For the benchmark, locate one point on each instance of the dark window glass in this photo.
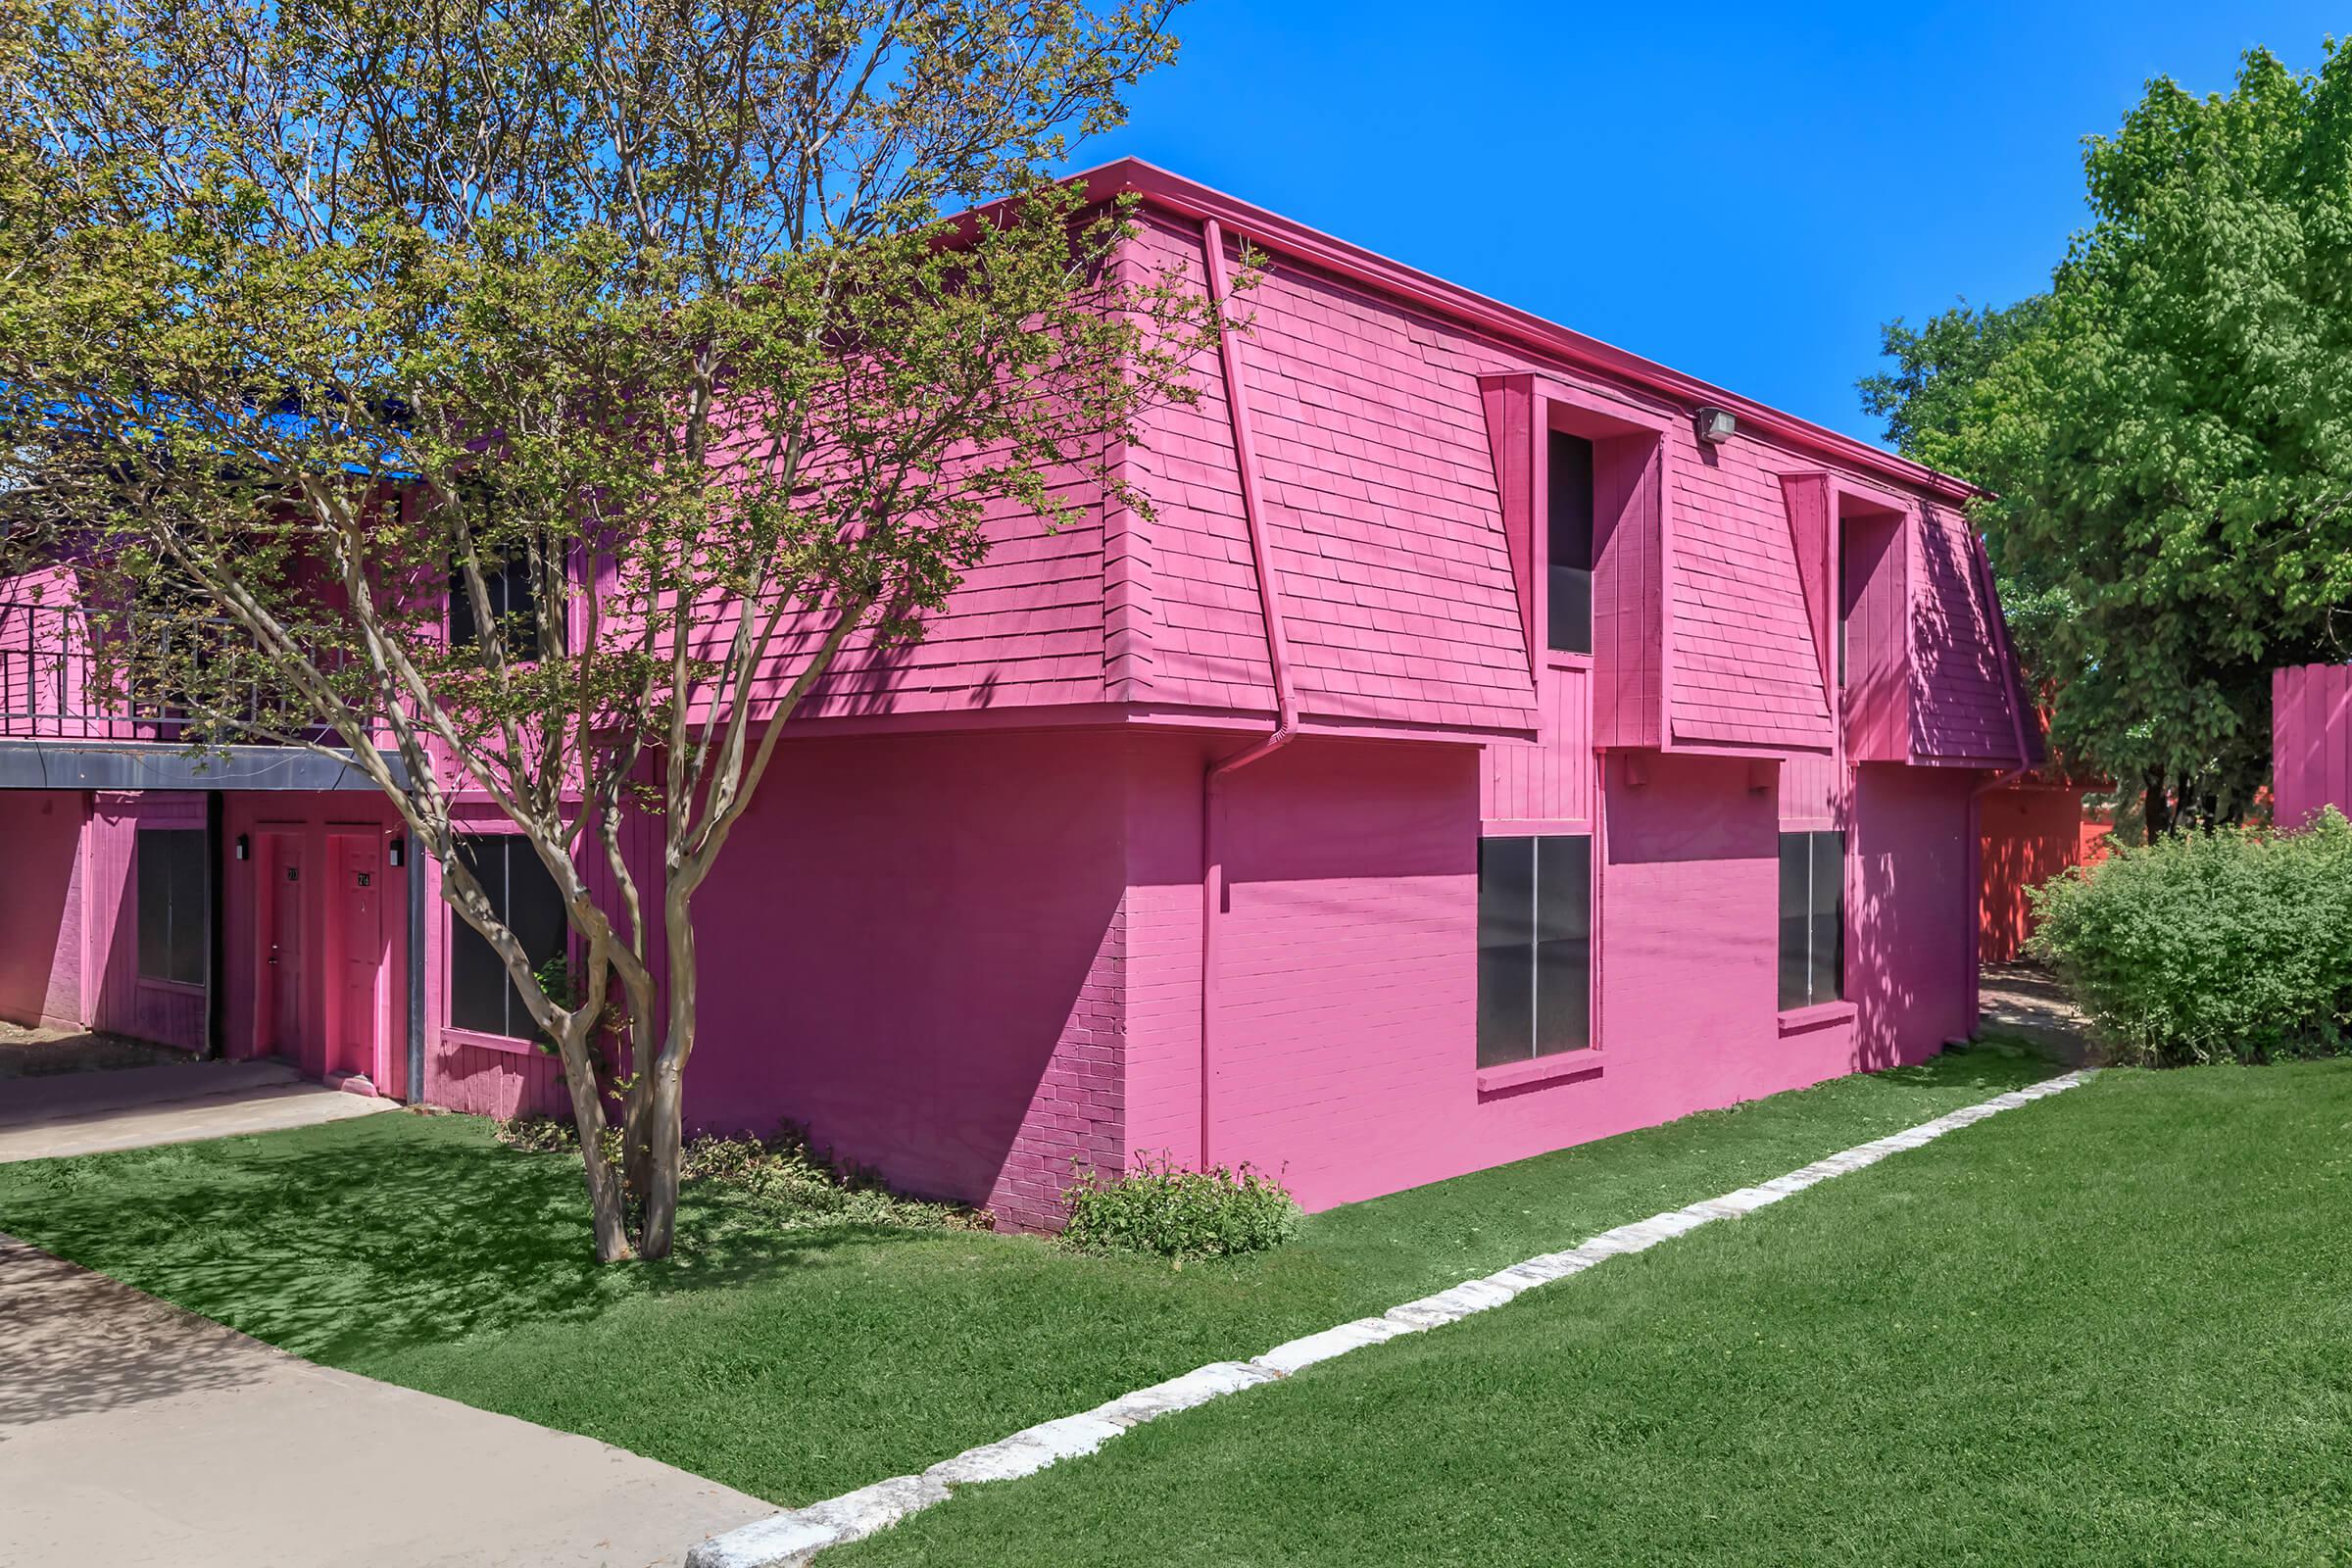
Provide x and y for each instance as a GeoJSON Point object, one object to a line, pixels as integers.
{"type": "Point", "coordinates": [1507, 986]}
{"type": "Point", "coordinates": [175, 908]}
{"type": "Point", "coordinates": [513, 594]}
{"type": "Point", "coordinates": [1828, 917]}
{"type": "Point", "coordinates": [1534, 947]}
{"type": "Point", "coordinates": [481, 996]}
{"type": "Point", "coordinates": [1563, 944]}
{"type": "Point", "coordinates": [1812, 919]}
{"type": "Point", "coordinates": [1569, 543]}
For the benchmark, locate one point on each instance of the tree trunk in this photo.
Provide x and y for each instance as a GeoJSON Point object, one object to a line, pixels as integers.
{"type": "Point", "coordinates": [606, 1203]}
{"type": "Point", "coordinates": [665, 1103]}
{"type": "Point", "coordinates": [665, 1146]}
{"type": "Point", "coordinates": [2156, 812]}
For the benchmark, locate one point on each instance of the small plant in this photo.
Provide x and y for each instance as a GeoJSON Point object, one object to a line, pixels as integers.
{"type": "Point", "coordinates": [1163, 1210]}
{"type": "Point", "coordinates": [2229, 946]}
{"type": "Point", "coordinates": [782, 1181]}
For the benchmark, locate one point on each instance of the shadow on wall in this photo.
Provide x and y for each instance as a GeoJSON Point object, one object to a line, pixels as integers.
{"type": "Point", "coordinates": [912, 946]}
{"type": "Point", "coordinates": [1911, 913]}
{"type": "Point", "coordinates": [1962, 695]}
{"type": "Point", "coordinates": [40, 842]}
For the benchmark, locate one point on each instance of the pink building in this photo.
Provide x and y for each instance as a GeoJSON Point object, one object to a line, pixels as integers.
{"type": "Point", "coordinates": [2311, 741]}
{"type": "Point", "coordinates": [1494, 741]}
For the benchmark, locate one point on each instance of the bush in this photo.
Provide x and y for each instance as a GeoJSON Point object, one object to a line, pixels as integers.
{"type": "Point", "coordinates": [784, 1181]}
{"type": "Point", "coordinates": [1163, 1209]}
{"type": "Point", "coordinates": [2234, 946]}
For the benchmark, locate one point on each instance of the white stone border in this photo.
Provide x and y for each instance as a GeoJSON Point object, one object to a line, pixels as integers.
{"type": "Point", "coordinates": [789, 1540]}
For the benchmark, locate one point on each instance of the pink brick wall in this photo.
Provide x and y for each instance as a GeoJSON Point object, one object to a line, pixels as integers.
{"type": "Point", "coordinates": [1911, 910]}
{"type": "Point", "coordinates": [2311, 741]}
{"type": "Point", "coordinates": [1345, 1045]}
{"type": "Point", "coordinates": [915, 946]}
{"type": "Point", "coordinates": [42, 980]}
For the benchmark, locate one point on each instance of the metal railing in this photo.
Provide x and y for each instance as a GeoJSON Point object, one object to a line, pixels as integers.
{"type": "Point", "coordinates": [74, 673]}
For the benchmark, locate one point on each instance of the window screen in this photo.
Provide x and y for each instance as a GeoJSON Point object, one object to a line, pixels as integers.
{"type": "Point", "coordinates": [481, 996]}
{"type": "Point", "coordinates": [174, 906]}
{"type": "Point", "coordinates": [1534, 947]}
{"type": "Point", "coordinates": [1812, 919]}
{"type": "Point", "coordinates": [1569, 543]}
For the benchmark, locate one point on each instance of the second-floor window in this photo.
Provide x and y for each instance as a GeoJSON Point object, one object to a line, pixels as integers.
{"type": "Point", "coordinates": [481, 995]}
{"type": "Point", "coordinates": [513, 600]}
{"type": "Point", "coordinates": [1534, 947]}
{"type": "Point", "coordinates": [1812, 920]}
{"type": "Point", "coordinates": [1568, 543]}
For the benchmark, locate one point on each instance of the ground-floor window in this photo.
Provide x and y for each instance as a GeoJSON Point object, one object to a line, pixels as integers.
{"type": "Point", "coordinates": [1812, 919]}
{"type": "Point", "coordinates": [481, 995]}
{"type": "Point", "coordinates": [1534, 947]}
{"type": "Point", "coordinates": [174, 906]}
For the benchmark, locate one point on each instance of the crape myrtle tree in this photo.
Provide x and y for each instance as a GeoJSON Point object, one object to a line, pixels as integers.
{"type": "Point", "coordinates": [2169, 431]}
{"type": "Point", "coordinates": [638, 334]}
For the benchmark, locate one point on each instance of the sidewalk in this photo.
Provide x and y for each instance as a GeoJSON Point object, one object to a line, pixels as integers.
{"type": "Point", "coordinates": [133, 1433]}
{"type": "Point", "coordinates": [134, 1108]}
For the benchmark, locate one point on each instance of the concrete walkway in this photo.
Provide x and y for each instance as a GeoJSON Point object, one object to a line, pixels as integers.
{"type": "Point", "coordinates": [134, 1432]}
{"type": "Point", "coordinates": [133, 1108]}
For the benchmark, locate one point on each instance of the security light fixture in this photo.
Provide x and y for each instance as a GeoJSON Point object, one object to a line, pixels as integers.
{"type": "Point", "coordinates": [397, 852]}
{"type": "Point", "coordinates": [1716, 425]}
{"type": "Point", "coordinates": [244, 848]}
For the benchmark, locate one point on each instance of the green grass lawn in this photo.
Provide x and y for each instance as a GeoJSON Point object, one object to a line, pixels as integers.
{"type": "Point", "coordinates": [798, 1366]}
{"type": "Point", "coordinates": [2110, 1327]}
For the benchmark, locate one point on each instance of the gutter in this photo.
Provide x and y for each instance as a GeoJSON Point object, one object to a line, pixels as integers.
{"type": "Point", "coordinates": [1286, 708]}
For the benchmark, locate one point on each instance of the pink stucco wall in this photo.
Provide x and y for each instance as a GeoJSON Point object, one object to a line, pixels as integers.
{"type": "Point", "coordinates": [2311, 741]}
{"type": "Point", "coordinates": [41, 952]}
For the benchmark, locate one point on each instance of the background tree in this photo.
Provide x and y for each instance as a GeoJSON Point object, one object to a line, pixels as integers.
{"type": "Point", "coordinates": [2167, 431]}
{"type": "Point", "coordinates": [636, 329]}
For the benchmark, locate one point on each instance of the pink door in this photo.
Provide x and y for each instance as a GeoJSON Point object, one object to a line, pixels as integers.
{"type": "Point", "coordinates": [282, 948]}
{"type": "Point", "coordinates": [360, 890]}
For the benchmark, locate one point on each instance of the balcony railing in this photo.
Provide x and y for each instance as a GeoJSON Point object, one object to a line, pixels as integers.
{"type": "Point", "coordinates": [72, 673]}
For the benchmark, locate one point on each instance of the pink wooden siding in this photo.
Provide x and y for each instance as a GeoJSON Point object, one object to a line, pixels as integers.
{"type": "Point", "coordinates": [129, 1002]}
{"type": "Point", "coordinates": [1554, 779]}
{"type": "Point", "coordinates": [1875, 564]}
{"type": "Point", "coordinates": [1628, 588]}
{"type": "Point", "coordinates": [1381, 500]}
{"type": "Point", "coordinates": [2311, 741]}
{"type": "Point", "coordinates": [1744, 671]}
{"type": "Point", "coordinates": [1959, 694]}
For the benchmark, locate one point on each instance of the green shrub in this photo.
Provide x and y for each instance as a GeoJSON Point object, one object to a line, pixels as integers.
{"type": "Point", "coordinates": [1163, 1209]}
{"type": "Point", "coordinates": [2234, 946]}
{"type": "Point", "coordinates": [782, 1182]}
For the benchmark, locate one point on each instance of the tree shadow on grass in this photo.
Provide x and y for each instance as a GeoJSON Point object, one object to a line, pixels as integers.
{"type": "Point", "coordinates": [373, 1235]}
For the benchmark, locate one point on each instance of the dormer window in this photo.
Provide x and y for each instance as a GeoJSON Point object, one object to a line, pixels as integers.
{"type": "Point", "coordinates": [1568, 543]}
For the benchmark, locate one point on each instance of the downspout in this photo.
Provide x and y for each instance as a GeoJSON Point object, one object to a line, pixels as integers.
{"type": "Point", "coordinates": [415, 968]}
{"type": "Point", "coordinates": [1286, 711]}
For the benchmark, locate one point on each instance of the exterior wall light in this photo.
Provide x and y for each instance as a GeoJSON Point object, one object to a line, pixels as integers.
{"type": "Point", "coordinates": [244, 848]}
{"type": "Point", "coordinates": [398, 852]}
{"type": "Point", "coordinates": [1716, 427]}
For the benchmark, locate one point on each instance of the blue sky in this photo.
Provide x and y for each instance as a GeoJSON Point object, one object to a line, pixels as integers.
{"type": "Point", "coordinates": [1741, 191]}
